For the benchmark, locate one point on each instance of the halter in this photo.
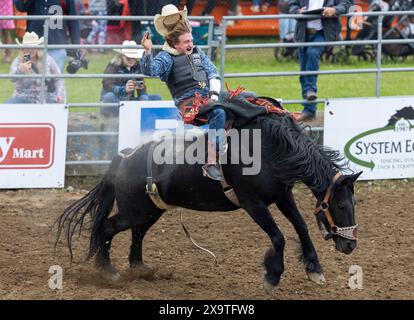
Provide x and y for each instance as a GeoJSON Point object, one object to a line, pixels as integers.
{"type": "Point", "coordinates": [344, 232]}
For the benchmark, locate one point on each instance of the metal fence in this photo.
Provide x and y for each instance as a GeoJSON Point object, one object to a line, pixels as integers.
{"type": "Point", "coordinates": [43, 75]}
{"type": "Point", "coordinates": [45, 46]}
{"type": "Point", "coordinates": [211, 45]}
{"type": "Point", "coordinates": [378, 70]}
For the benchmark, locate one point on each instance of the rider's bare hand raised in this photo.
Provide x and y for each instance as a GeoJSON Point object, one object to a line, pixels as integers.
{"type": "Point", "coordinates": [146, 42]}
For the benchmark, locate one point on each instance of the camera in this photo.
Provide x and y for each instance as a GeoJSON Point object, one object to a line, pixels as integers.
{"type": "Point", "coordinates": [139, 85]}
{"type": "Point", "coordinates": [26, 58]}
{"type": "Point", "coordinates": [78, 61]}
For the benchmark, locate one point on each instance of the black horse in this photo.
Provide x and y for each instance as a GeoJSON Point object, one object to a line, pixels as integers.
{"type": "Point", "coordinates": [288, 155]}
{"type": "Point", "coordinates": [406, 113]}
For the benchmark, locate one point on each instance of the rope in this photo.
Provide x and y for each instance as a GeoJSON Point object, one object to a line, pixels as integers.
{"type": "Point", "coordinates": [187, 233]}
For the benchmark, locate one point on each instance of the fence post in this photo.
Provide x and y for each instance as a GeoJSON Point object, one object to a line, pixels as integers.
{"type": "Point", "coordinates": [379, 58]}
{"type": "Point", "coordinates": [223, 50]}
{"type": "Point", "coordinates": [210, 36]}
{"type": "Point", "coordinates": [44, 62]}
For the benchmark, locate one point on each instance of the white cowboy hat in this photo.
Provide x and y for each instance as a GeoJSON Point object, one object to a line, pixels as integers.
{"type": "Point", "coordinates": [30, 38]}
{"type": "Point", "coordinates": [130, 52]}
{"type": "Point", "coordinates": [169, 16]}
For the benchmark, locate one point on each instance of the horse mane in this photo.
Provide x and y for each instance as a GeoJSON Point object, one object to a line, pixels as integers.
{"type": "Point", "coordinates": [295, 155]}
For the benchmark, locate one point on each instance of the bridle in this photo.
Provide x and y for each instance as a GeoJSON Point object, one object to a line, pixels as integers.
{"type": "Point", "coordinates": [344, 232]}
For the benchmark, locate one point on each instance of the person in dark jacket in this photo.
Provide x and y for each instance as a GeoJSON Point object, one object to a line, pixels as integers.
{"type": "Point", "coordinates": [56, 35]}
{"type": "Point", "coordinates": [125, 89]}
{"type": "Point", "coordinates": [328, 28]}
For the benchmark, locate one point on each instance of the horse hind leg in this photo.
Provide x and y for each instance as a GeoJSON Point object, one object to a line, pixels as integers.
{"type": "Point", "coordinates": [112, 226]}
{"type": "Point", "coordinates": [310, 258]}
{"type": "Point", "coordinates": [138, 232]}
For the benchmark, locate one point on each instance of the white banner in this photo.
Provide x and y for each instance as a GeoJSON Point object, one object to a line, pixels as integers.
{"type": "Point", "coordinates": [139, 120]}
{"type": "Point", "coordinates": [33, 145]}
{"type": "Point", "coordinates": [376, 135]}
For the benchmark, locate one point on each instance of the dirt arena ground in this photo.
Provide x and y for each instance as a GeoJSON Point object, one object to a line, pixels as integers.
{"type": "Point", "coordinates": [385, 251]}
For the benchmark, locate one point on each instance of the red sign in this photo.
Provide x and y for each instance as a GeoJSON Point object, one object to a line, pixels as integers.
{"type": "Point", "coordinates": [26, 145]}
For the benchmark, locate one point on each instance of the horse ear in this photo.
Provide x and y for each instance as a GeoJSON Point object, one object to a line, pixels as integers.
{"type": "Point", "coordinates": [351, 178]}
{"type": "Point", "coordinates": [356, 175]}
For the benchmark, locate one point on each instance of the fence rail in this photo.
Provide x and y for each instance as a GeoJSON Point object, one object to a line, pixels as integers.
{"type": "Point", "coordinates": [379, 43]}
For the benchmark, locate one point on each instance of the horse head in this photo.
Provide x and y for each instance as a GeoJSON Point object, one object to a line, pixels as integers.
{"type": "Point", "coordinates": [406, 113]}
{"type": "Point", "coordinates": [335, 213]}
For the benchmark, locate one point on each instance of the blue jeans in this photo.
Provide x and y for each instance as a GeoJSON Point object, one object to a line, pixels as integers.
{"type": "Point", "coordinates": [309, 59]}
{"type": "Point", "coordinates": [146, 96]}
{"type": "Point", "coordinates": [98, 29]}
{"type": "Point", "coordinates": [18, 100]}
{"type": "Point", "coordinates": [286, 27]}
{"type": "Point", "coordinates": [59, 55]}
{"type": "Point", "coordinates": [217, 121]}
{"type": "Point", "coordinates": [257, 2]}
{"type": "Point", "coordinates": [110, 97]}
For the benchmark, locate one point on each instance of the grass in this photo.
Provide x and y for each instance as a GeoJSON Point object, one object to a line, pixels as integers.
{"type": "Point", "coordinates": [259, 60]}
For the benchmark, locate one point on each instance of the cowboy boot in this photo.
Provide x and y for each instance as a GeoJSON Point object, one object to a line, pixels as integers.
{"type": "Point", "coordinates": [212, 168]}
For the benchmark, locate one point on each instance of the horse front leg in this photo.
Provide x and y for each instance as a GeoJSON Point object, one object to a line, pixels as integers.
{"type": "Point", "coordinates": [310, 258]}
{"type": "Point", "coordinates": [273, 259]}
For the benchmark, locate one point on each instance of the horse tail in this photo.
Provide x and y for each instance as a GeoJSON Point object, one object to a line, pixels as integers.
{"type": "Point", "coordinates": [98, 202]}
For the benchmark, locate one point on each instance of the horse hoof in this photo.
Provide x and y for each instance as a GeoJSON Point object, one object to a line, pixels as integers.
{"type": "Point", "coordinates": [142, 271]}
{"type": "Point", "coordinates": [318, 278]}
{"type": "Point", "coordinates": [112, 277]}
{"type": "Point", "coordinates": [268, 287]}
{"type": "Point", "coordinates": [110, 273]}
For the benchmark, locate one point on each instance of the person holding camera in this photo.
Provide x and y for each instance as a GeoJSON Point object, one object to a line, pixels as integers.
{"type": "Point", "coordinates": [117, 89]}
{"type": "Point", "coordinates": [57, 34]}
{"type": "Point", "coordinates": [30, 61]}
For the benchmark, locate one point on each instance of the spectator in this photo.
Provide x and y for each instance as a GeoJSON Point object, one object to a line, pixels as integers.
{"type": "Point", "coordinates": [327, 28]}
{"type": "Point", "coordinates": [114, 8]}
{"type": "Point", "coordinates": [56, 35]}
{"type": "Point", "coordinates": [98, 8]}
{"type": "Point", "coordinates": [118, 30]}
{"type": "Point", "coordinates": [6, 9]}
{"type": "Point", "coordinates": [20, 25]}
{"type": "Point", "coordinates": [117, 89]}
{"type": "Point", "coordinates": [85, 26]}
{"type": "Point", "coordinates": [256, 6]}
{"type": "Point", "coordinates": [190, 6]}
{"type": "Point", "coordinates": [408, 30]}
{"type": "Point", "coordinates": [286, 26]}
{"type": "Point", "coordinates": [209, 7]}
{"type": "Point", "coordinates": [28, 90]}
{"type": "Point", "coordinates": [234, 10]}
{"type": "Point", "coordinates": [137, 8]}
